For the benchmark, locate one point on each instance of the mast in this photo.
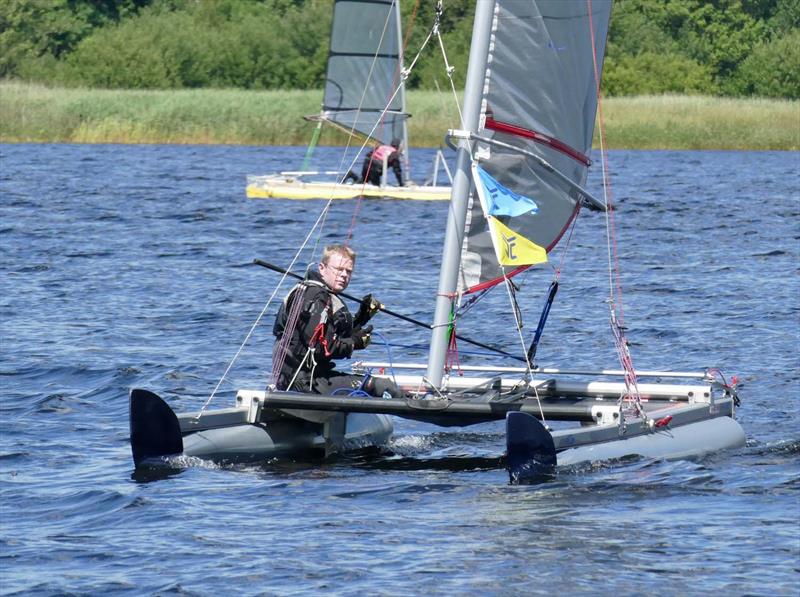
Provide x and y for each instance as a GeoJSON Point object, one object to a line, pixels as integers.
{"type": "Point", "coordinates": [462, 181]}
{"type": "Point", "coordinates": [402, 91]}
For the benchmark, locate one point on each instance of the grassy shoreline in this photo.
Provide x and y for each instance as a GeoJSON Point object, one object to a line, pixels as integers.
{"type": "Point", "coordinates": [39, 114]}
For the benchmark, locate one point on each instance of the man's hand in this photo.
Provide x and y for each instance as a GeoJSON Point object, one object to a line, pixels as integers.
{"type": "Point", "coordinates": [366, 310]}
{"type": "Point", "coordinates": [362, 337]}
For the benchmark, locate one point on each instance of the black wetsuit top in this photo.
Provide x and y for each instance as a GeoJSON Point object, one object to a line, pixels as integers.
{"type": "Point", "coordinates": [336, 343]}
{"type": "Point", "coordinates": [372, 174]}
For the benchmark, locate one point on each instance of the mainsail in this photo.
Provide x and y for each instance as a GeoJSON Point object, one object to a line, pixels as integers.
{"type": "Point", "coordinates": [538, 104]}
{"type": "Point", "coordinates": [364, 63]}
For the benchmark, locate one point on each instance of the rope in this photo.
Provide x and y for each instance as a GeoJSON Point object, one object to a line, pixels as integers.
{"type": "Point", "coordinates": [266, 307]}
{"type": "Point", "coordinates": [388, 353]}
{"type": "Point", "coordinates": [452, 344]}
{"type": "Point", "coordinates": [309, 355]}
{"type": "Point", "coordinates": [531, 354]}
{"type": "Point", "coordinates": [311, 146]}
{"type": "Point", "coordinates": [404, 76]}
{"type": "Point", "coordinates": [448, 69]}
{"type": "Point", "coordinates": [615, 281]}
{"type": "Point", "coordinates": [288, 332]}
{"type": "Point", "coordinates": [472, 301]}
{"type": "Point", "coordinates": [537, 336]}
{"type": "Point", "coordinates": [518, 320]}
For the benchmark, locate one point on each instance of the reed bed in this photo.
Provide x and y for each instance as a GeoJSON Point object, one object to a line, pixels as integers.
{"type": "Point", "coordinates": [36, 113]}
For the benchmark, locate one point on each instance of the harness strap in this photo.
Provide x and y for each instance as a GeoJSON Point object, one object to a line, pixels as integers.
{"type": "Point", "coordinates": [319, 336]}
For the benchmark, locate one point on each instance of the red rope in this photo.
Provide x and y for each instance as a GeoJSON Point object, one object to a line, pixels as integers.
{"type": "Point", "coordinates": [617, 315]}
{"type": "Point", "coordinates": [569, 241]}
{"type": "Point", "coordinates": [452, 353]}
{"type": "Point", "coordinates": [319, 336]}
{"type": "Point", "coordinates": [606, 171]}
{"type": "Point", "coordinates": [357, 207]}
{"type": "Point", "coordinates": [409, 28]}
{"type": "Point", "coordinates": [288, 332]}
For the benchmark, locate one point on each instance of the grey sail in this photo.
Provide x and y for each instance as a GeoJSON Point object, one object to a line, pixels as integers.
{"type": "Point", "coordinates": [540, 97]}
{"type": "Point", "coordinates": [364, 63]}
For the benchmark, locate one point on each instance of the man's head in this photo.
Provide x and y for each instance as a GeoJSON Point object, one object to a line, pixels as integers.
{"type": "Point", "coordinates": [396, 143]}
{"type": "Point", "coordinates": [336, 266]}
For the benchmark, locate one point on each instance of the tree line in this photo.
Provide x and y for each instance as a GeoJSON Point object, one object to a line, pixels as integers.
{"type": "Point", "coordinates": [711, 47]}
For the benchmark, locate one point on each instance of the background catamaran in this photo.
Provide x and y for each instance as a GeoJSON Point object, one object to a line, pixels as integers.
{"type": "Point", "coordinates": [364, 72]}
{"type": "Point", "coordinates": [518, 188]}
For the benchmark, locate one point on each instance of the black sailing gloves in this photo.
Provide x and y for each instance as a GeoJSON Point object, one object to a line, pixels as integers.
{"type": "Point", "coordinates": [366, 310]}
{"type": "Point", "coordinates": [362, 337]}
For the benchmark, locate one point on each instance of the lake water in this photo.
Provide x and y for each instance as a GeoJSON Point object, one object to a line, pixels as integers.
{"type": "Point", "coordinates": [130, 266]}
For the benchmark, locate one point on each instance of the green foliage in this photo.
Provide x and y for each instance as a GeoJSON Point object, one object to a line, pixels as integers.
{"type": "Point", "coordinates": [702, 42]}
{"type": "Point", "coordinates": [772, 70]}
{"type": "Point", "coordinates": [173, 45]}
{"type": "Point", "coordinates": [721, 35]}
{"type": "Point", "coordinates": [33, 29]}
{"type": "Point", "coordinates": [786, 16]}
{"type": "Point", "coordinates": [725, 47]}
{"type": "Point", "coordinates": [650, 73]}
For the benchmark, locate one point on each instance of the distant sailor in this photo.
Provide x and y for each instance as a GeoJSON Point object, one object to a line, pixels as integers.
{"type": "Point", "coordinates": [372, 170]}
{"type": "Point", "coordinates": [314, 327]}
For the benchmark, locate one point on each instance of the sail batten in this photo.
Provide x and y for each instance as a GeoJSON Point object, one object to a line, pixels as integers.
{"type": "Point", "coordinates": [538, 110]}
{"type": "Point", "coordinates": [505, 127]}
{"type": "Point", "coordinates": [370, 55]}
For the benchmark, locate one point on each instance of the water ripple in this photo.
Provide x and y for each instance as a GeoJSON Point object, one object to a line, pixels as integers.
{"type": "Point", "coordinates": [107, 287]}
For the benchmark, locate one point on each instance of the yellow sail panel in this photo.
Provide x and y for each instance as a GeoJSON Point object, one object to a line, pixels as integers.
{"type": "Point", "coordinates": [512, 248]}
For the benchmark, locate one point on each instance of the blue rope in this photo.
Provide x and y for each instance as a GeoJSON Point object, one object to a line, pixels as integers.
{"type": "Point", "coordinates": [354, 392]}
{"type": "Point", "coordinates": [551, 295]}
{"type": "Point", "coordinates": [388, 353]}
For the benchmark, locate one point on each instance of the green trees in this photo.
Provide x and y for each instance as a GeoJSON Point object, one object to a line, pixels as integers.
{"type": "Point", "coordinates": [727, 47]}
{"type": "Point", "coordinates": [172, 44]}
{"type": "Point", "coordinates": [723, 47]}
{"type": "Point", "coordinates": [771, 70]}
{"type": "Point", "coordinates": [48, 30]}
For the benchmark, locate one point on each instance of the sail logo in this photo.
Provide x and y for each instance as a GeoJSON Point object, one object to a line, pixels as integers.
{"type": "Point", "coordinates": [503, 201]}
{"type": "Point", "coordinates": [509, 243]}
{"type": "Point", "coordinates": [511, 247]}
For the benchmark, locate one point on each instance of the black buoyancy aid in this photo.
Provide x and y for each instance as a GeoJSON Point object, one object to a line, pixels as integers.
{"type": "Point", "coordinates": [320, 306]}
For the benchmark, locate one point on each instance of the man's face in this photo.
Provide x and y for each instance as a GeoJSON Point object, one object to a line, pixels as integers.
{"type": "Point", "coordinates": [336, 273]}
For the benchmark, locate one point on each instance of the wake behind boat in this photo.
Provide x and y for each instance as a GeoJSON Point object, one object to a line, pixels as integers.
{"type": "Point", "coordinates": [519, 187]}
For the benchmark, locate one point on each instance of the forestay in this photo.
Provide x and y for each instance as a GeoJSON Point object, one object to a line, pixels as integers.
{"type": "Point", "coordinates": [540, 98]}
{"type": "Point", "coordinates": [364, 63]}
